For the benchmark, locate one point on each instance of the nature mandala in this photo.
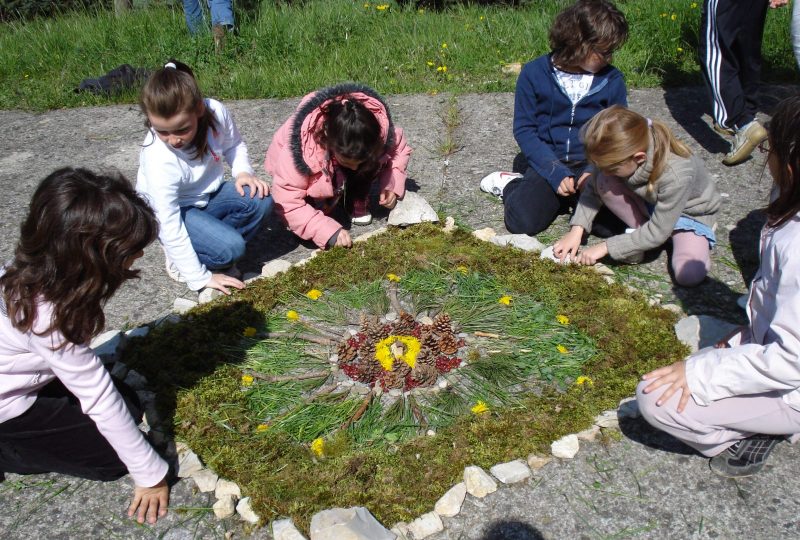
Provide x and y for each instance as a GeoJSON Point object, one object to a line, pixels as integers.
{"type": "Point", "coordinates": [404, 356]}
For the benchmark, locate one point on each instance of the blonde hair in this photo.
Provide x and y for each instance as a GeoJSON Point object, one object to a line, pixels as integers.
{"type": "Point", "coordinates": [616, 134]}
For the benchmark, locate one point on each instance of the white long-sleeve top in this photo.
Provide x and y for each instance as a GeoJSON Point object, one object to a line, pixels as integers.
{"type": "Point", "coordinates": [28, 363]}
{"type": "Point", "coordinates": [764, 356]}
{"type": "Point", "coordinates": [171, 179]}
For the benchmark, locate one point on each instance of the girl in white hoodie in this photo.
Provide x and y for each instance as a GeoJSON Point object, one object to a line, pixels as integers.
{"type": "Point", "coordinates": [736, 401]}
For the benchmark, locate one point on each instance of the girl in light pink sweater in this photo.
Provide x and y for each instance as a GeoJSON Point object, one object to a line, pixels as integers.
{"type": "Point", "coordinates": [60, 411]}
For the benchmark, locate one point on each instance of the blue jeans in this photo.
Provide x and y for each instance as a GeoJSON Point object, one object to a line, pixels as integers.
{"type": "Point", "coordinates": [220, 231]}
{"type": "Point", "coordinates": [221, 13]}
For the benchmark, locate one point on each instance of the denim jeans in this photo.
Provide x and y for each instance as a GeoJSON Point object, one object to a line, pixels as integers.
{"type": "Point", "coordinates": [221, 13]}
{"type": "Point", "coordinates": [220, 231]}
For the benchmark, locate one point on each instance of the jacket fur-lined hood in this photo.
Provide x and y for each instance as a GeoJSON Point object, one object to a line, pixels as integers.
{"type": "Point", "coordinates": [309, 121]}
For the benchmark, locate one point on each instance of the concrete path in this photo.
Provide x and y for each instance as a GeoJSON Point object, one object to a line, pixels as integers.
{"type": "Point", "coordinates": [644, 486]}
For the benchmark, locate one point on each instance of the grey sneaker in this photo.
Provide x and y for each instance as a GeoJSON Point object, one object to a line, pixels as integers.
{"type": "Point", "coordinates": [744, 142]}
{"type": "Point", "coordinates": [745, 457]}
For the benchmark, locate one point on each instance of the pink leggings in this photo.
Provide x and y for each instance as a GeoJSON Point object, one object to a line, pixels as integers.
{"type": "Point", "coordinates": [713, 428]}
{"type": "Point", "coordinates": [691, 260]}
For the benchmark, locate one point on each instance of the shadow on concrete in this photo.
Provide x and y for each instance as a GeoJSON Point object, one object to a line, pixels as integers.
{"type": "Point", "coordinates": [638, 430]}
{"type": "Point", "coordinates": [744, 240]}
{"type": "Point", "coordinates": [511, 530]}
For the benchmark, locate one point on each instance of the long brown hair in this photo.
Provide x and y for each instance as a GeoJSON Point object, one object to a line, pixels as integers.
{"type": "Point", "coordinates": [173, 90]}
{"type": "Point", "coordinates": [584, 26]}
{"type": "Point", "coordinates": [784, 148]}
{"type": "Point", "coordinates": [75, 249]}
{"type": "Point", "coordinates": [352, 131]}
{"type": "Point", "coordinates": [616, 134]}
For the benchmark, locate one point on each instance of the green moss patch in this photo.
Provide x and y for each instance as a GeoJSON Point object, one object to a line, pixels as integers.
{"type": "Point", "coordinates": [245, 431]}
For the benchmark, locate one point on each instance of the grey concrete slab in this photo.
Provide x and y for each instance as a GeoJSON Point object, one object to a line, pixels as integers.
{"type": "Point", "coordinates": [645, 486]}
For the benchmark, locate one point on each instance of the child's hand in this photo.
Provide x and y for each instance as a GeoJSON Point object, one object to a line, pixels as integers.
{"type": "Point", "coordinates": [387, 199]}
{"type": "Point", "coordinates": [673, 375]}
{"type": "Point", "coordinates": [257, 187]}
{"type": "Point", "coordinates": [567, 247]}
{"type": "Point", "coordinates": [221, 282]}
{"type": "Point", "coordinates": [566, 187]}
{"type": "Point", "coordinates": [150, 503]}
{"type": "Point", "coordinates": [344, 240]}
{"type": "Point", "coordinates": [591, 255]}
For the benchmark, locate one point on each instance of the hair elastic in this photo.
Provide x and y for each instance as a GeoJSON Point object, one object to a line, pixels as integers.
{"type": "Point", "coordinates": [649, 122]}
{"type": "Point", "coordinates": [170, 65]}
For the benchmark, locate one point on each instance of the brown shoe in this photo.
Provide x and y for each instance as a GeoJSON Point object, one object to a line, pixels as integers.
{"type": "Point", "coordinates": [744, 142]}
{"type": "Point", "coordinates": [218, 31]}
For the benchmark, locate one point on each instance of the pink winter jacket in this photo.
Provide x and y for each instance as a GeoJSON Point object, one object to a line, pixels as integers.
{"type": "Point", "coordinates": [301, 168]}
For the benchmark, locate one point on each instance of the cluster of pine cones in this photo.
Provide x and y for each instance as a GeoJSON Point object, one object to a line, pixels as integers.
{"type": "Point", "coordinates": [438, 344]}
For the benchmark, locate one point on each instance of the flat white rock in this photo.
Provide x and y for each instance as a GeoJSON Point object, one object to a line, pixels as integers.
{"type": "Point", "coordinates": [566, 447]}
{"type": "Point", "coordinates": [412, 209]}
{"type": "Point", "coordinates": [224, 508]}
{"type": "Point", "coordinates": [369, 234]}
{"type": "Point", "coordinates": [245, 511]}
{"type": "Point", "coordinates": [183, 305]}
{"type": "Point", "coordinates": [479, 483]}
{"type": "Point", "coordinates": [511, 472]}
{"type": "Point", "coordinates": [206, 480]}
{"type": "Point", "coordinates": [188, 464]}
{"type": "Point", "coordinates": [536, 462]}
{"type": "Point", "coordinates": [699, 331]}
{"type": "Point", "coordinates": [226, 487]}
{"type": "Point", "coordinates": [426, 525]}
{"type": "Point", "coordinates": [354, 523]}
{"type": "Point", "coordinates": [450, 503]}
{"type": "Point", "coordinates": [589, 434]}
{"type": "Point", "coordinates": [607, 419]}
{"type": "Point", "coordinates": [520, 241]}
{"type": "Point", "coordinates": [275, 267]}
{"type": "Point", "coordinates": [484, 234]}
{"type": "Point", "coordinates": [108, 344]}
{"type": "Point", "coordinates": [284, 529]}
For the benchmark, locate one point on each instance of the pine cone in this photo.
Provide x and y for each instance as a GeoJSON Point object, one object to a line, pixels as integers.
{"type": "Point", "coordinates": [393, 379]}
{"type": "Point", "coordinates": [374, 330]}
{"type": "Point", "coordinates": [448, 344]}
{"type": "Point", "coordinates": [346, 352]}
{"type": "Point", "coordinates": [401, 368]}
{"type": "Point", "coordinates": [366, 351]}
{"type": "Point", "coordinates": [424, 375]}
{"type": "Point", "coordinates": [426, 357]}
{"type": "Point", "coordinates": [405, 325]}
{"type": "Point", "coordinates": [441, 324]}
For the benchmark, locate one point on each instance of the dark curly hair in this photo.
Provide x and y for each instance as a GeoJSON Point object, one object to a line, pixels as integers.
{"type": "Point", "coordinates": [784, 148]}
{"type": "Point", "coordinates": [584, 26]}
{"type": "Point", "coordinates": [76, 245]}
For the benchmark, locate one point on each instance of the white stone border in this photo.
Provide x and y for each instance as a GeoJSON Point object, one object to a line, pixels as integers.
{"type": "Point", "coordinates": [357, 522]}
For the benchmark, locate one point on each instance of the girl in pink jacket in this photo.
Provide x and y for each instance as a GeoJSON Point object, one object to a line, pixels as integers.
{"type": "Point", "coordinates": [60, 410]}
{"type": "Point", "coordinates": [339, 141]}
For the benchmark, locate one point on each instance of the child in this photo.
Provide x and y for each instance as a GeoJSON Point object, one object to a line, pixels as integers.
{"type": "Point", "coordinates": [746, 391]}
{"type": "Point", "coordinates": [59, 408]}
{"type": "Point", "coordinates": [332, 149]}
{"type": "Point", "coordinates": [205, 222]}
{"type": "Point", "coordinates": [654, 184]}
{"type": "Point", "coordinates": [556, 94]}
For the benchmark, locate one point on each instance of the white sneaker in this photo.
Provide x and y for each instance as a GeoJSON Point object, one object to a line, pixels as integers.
{"type": "Point", "coordinates": [366, 219]}
{"type": "Point", "coordinates": [172, 270]}
{"type": "Point", "coordinates": [497, 181]}
{"type": "Point", "coordinates": [746, 140]}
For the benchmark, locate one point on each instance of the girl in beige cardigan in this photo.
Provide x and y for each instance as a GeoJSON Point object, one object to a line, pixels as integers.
{"type": "Point", "coordinates": [654, 184]}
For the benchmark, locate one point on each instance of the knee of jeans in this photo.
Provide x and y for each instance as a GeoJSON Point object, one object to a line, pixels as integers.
{"type": "Point", "coordinates": [265, 206]}
{"type": "Point", "coordinates": [228, 254]}
{"type": "Point", "coordinates": [689, 273]}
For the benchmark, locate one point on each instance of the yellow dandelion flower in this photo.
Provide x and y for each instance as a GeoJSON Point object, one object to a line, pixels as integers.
{"type": "Point", "coordinates": [673, 17]}
{"type": "Point", "coordinates": [318, 446]}
{"type": "Point", "coordinates": [249, 331]}
{"type": "Point", "coordinates": [261, 428]}
{"type": "Point", "coordinates": [421, 11]}
{"type": "Point", "coordinates": [314, 294]}
{"type": "Point", "coordinates": [366, 5]}
{"type": "Point", "coordinates": [680, 49]}
{"type": "Point", "coordinates": [693, 5]}
{"type": "Point", "coordinates": [562, 319]}
{"type": "Point", "coordinates": [480, 408]}
{"type": "Point", "coordinates": [393, 277]}
{"type": "Point", "coordinates": [442, 69]}
{"type": "Point", "coordinates": [562, 349]}
{"type": "Point", "coordinates": [430, 64]}
{"type": "Point", "coordinates": [663, 15]}
{"type": "Point", "coordinates": [382, 7]}
{"type": "Point", "coordinates": [505, 300]}
{"type": "Point", "coordinates": [444, 45]}
{"type": "Point", "coordinates": [580, 381]}
{"type": "Point", "coordinates": [247, 380]}
{"type": "Point", "coordinates": [292, 315]}
{"type": "Point", "coordinates": [386, 354]}
{"type": "Point", "coordinates": [462, 269]}
{"type": "Point", "coordinates": [482, 17]}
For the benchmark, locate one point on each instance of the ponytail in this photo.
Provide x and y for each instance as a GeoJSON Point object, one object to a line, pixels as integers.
{"type": "Point", "coordinates": [173, 90]}
{"type": "Point", "coordinates": [352, 131]}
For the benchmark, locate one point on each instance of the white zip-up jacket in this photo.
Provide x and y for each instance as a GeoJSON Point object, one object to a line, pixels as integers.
{"type": "Point", "coordinates": [764, 356]}
{"type": "Point", "coordinates": [171, 179]}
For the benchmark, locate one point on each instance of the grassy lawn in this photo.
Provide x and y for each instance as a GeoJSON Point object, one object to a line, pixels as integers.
{"type": "Point", "coordinates": [287, 50]}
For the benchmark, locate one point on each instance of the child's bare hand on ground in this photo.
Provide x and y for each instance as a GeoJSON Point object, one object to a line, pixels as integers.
{"type": "Point", "coordinates": [221, 282]}
{"type": "Point", "coordinates": [590, 255]}
{"type": "Point", "coordinates": [387, 199]}
{"type": "Point", "coordinates": [566, 187]}
{"type": "Point", "coordinates": [149, 503]}
{"type": "Point", "coordinates": [673, 375]}
{"type": "Point", "coordinates": [344, 239]}
{"type": "Point", "coordinates": [257, 187]}
{"type": "Point", "coordinates": [567, 247]}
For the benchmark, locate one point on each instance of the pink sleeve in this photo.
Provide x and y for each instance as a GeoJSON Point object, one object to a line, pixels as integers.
{"type": "Point", "coordinates": [393, 177]}
{"type": "Point", "coordinates": [82, 373]}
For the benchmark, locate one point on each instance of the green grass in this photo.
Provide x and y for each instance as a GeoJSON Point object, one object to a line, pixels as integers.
{"type": "Point", "coordinates": [287, 49]}
{"type": "Point", "coordinates": [387, 469]}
